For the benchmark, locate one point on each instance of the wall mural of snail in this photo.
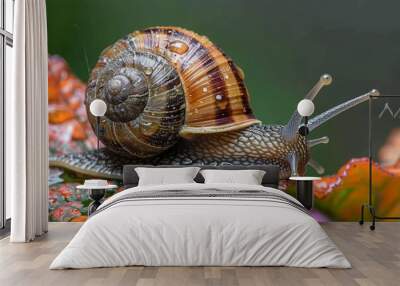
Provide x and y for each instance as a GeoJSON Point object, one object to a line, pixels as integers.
{"type": "Point", "coordinates": [174, 97]}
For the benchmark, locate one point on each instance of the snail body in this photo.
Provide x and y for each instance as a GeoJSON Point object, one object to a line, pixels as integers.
{"type": "Point", "coordinates": [253, 145]}
{"type": "Point", "coordinates": [173, 97]}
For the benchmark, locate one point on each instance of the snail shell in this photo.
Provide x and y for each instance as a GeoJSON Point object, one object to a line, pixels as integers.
{"type": "Point", "coordinates": [162, 83]}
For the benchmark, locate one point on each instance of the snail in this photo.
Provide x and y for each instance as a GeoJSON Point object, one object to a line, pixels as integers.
{"type": "Point", "coordinates": [173, 97]}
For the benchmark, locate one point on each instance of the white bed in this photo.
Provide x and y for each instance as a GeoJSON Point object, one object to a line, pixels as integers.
{"type": "Point", "coordinates": [183, 230]}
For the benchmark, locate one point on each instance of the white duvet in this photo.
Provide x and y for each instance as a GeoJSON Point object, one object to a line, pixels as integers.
{"type": "Point", "coordinates": [200, 231]}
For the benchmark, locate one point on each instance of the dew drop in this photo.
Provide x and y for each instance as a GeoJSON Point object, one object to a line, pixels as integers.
{"type": "Point", "coordinates": [178, 47]}
{"type": "Point", "coordinates": [218, 97]}
{"type": "Point", "coordinates": [226, 76]}
{"type": "Point", "coordinates": [205, 89]}
{"type": "Point", "coordinates": [148, 71]}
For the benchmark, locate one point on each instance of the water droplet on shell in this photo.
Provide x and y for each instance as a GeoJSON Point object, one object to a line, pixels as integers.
{"type": "Point", "coordinates": [218, 97]}
{"type": "Point", "coordinates": [205, 89]}
{"type": "Point", "coordinates": [148, 71]}
{"type": "Point", "coordinates": [226, 76]}
{"type": "Point", "coordinates": [178, 47]}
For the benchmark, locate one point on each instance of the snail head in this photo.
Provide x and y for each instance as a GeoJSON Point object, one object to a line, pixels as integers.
{"type": "Point", "coordinates": [290, 132]}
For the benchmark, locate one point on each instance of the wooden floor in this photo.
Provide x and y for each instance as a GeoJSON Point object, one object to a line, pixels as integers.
{"type": "Point", "coordinates": [375, 257]}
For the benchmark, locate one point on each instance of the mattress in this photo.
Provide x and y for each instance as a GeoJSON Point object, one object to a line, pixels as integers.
{"type": "Point", "coordinates": [201, 225]}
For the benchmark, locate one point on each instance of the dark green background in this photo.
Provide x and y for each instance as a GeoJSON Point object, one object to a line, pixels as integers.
{"type": "Point", "coordinates": [283, 47]}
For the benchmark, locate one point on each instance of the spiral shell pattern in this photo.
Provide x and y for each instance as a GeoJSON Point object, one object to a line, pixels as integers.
{"type": "Point", "coordinates": [162, 83]}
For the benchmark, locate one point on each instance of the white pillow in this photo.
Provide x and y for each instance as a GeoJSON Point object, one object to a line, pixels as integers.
{"type": "Point", "coordinates": [163, 176]}
{"type": "Point", "coordinates": [248, 177]}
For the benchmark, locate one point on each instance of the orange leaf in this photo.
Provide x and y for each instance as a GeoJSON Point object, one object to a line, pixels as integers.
{"type": "Point", "coordinates": [78, 132]}
{"type": "Point", "coordinates": [60, 116]}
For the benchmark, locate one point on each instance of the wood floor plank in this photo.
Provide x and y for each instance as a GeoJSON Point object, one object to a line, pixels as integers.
{"type": "Point", "coordinates": [375, 258]}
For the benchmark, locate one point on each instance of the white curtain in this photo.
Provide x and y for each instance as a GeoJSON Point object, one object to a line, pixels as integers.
{"type": "Point", "coordinates": [26, 124]}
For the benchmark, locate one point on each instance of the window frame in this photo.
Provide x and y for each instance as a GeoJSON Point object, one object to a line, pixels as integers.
{"type": "Point", "coordinates": [6, 39]}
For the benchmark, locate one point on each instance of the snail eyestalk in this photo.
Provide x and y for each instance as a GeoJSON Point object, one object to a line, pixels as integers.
{"type": "Point", "coordinates": [334, 111]}
{"type": "Point", "coordinates": [314, 142]}
{"type": "Point", "coordinates": [324, 80]}
{"type": "Point", "coordinates": [316, 166]}
{"type": "Point", "coordinates": [290, 130]}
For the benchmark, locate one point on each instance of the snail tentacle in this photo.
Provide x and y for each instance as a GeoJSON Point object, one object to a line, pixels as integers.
{"type": "Point", "coordinates": [334, 111]}
{"type": "Point", "coordinates": [316, 166]}
{"type": "Point", "coordinates": [314, 142]}
{"type": "Point", "coordinates": [291, 128]}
